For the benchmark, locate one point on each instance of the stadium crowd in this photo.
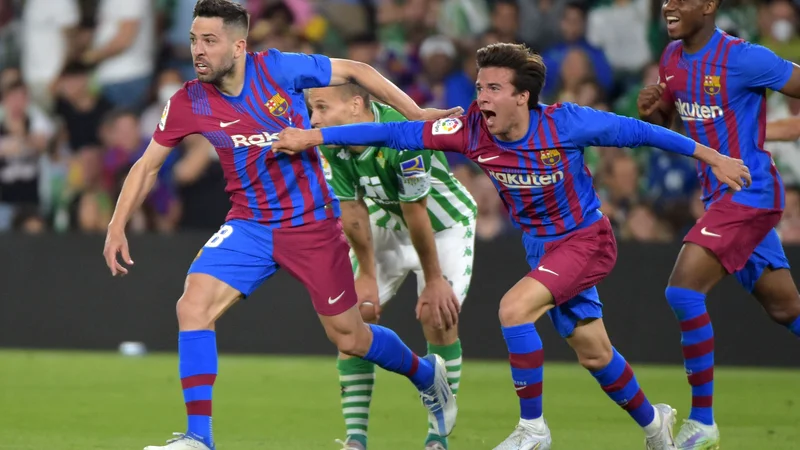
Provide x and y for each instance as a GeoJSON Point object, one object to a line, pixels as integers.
{"type": "Point", "coordinates": [83, 84]}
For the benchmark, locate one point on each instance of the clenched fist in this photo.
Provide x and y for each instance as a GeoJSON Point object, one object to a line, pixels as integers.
{"type": "Point", "coordinates": [650, 99]}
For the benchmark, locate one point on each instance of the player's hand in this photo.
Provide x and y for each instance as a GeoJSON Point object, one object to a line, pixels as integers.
{"type": "Point", "coordinates": [295, 140]}
{"type": "Point", "coordinates": [731, 171]}
{"type": "Point", "coordinates": [650, 99]}
{"type": "Point", "coordinates": [369, 302]}
{"type": "Point", "coordinates": [435, 114]}
{"type": "Point", "coordinates": [438, 295]}
{"type": "Point", "coordinates": [117, 243]}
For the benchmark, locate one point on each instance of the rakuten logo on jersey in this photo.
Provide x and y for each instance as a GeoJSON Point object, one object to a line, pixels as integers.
{"type": "Point", "coordinates": [526, 180]}
{"type": "Point", "coordinates": [696, 111]}
{"type": "Point", "coordinates": [261, 140]}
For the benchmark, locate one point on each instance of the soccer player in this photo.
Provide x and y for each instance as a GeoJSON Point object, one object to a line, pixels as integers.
{"type": "Point", "coordinates": [533, 154]}
{"type": "Point", "coordinates": [283, 212]}
{"type": "Point", "coordinates": [717, 85]}
{"type": "Point", "coordinates": [419, 219]}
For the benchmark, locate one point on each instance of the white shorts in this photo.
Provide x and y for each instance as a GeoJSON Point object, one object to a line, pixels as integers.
{"type": "Point", "coordinates": [395, 258]}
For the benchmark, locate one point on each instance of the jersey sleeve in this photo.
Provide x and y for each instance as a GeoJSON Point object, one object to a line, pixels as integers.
{"type": "Point", "coordinates": [762, 68]}
{"type": "Point", "coordinates": [339, 174]}
{"type": "Point", "coordinates": [413, 171]}
{"type": "Point", "coordinates": [177, 120]}
{"type": "Point", "coordinates": [449, 134]}
{"type": "Point", "coordinates": [303, 71]}
{"type": "Point", "coordinates": [589, 127]}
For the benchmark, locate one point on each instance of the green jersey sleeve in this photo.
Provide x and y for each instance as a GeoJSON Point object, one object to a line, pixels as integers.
{"type": "Point", "coordinates": [339, 172]}
{"type": "Point", "coordinates": [413, 171]}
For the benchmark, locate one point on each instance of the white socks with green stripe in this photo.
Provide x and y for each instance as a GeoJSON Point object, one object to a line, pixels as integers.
{"type": "Point", "coordinates": [357, 378]}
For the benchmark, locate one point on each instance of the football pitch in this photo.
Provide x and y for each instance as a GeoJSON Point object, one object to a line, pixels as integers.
{"type": "Point", "coordinates": [104, 401]}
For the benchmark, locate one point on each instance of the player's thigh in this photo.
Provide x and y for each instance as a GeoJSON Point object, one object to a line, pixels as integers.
{"type": "Point", "coordinates": [455, 248]}
{"type": "Point", "coordinates": [316, 254]}
{"type": "Point", "coordinates": [767, 276]}
{"type": "Point", "coordinates": [240, 255]}
{"type": "Point", "coordinates": [232, 264]}
{"type": "Point", "coordinates": [524, 303]}
{"type": "Point", "coordinates": [393, 251]}
{"type": "Point", "coordinates": [574, 263]}
{"type": "Point", "coordinates": [591, 343]}
{"type": "Point", "coordinates": [721, 242]}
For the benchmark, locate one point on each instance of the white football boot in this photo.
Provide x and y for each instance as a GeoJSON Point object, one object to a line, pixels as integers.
{"type": "Point", "coordinates": [527, 437]}
{"type": "Point", "coordinates": [439, 399]}
{"type": "Point", "coordinates": [663, 440]}
{"type": "Point", "coordinates": [180, 442]}
{"type": "Point", "coordinates": [697, 436]}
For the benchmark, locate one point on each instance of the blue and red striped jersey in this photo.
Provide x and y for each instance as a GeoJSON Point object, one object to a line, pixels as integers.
{"type": "Point", "coordinates": [719, 93]}
{"type": "Point", "coordinates": [277, 190]}
{"type": "Point", "coordinates": [541, 178]}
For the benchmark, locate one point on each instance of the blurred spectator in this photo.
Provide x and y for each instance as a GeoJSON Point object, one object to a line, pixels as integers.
{"type": "Point", "coordinates": [540, 22]}
{"type": "Point", "coordinates": [778, 27]}
{"type": "Point", "coordinates": [785, 154]}
{"type": "Point", "coordinates": [25, 134]}
{"type": "Point", "coordinates": [643, 225]}
{"type": "Point", "coordinates": [92, 205]}
{"type": "Point", "coordinates": [48, 27]}
{"type": "Point", "coordinates": [80, 108]}
{"type": "Point", "coordinates": [576, 69]}
{"type": "Point", "coordinates": [621, 188]}
{"type": "Point", "coordinates": [169, 82]}
{"type": "Point", "coordinates": [442, 83]}
{"type": "Point", "coordinates": [124, 145]}
{"type": "Point", "coordinates": [789, 226]}
{"type": "Point", "coordinates": [573, 29]}
{"type": "Point", "coordinates": [124, 50]}
{"type": "Point", "coordinates": [505, 22]}
{"type": "Point", "coordinates": [463, 19]}
{"type": "Point", "coordinates": [620, 30]}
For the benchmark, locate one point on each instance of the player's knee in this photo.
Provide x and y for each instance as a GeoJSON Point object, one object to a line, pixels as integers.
{"type": "Point", "coordinates": [513, 311]}
{"type": "Point", "coordinates": [351, 344]}
{"type": "Point", "coordinates": [368, 312]}
{"type": "Point", "coordinates": [784, 312]}
{"type": "Point", "coordinates": [596, 358]}
{"type": "Point", "coordinates": [194, 312]}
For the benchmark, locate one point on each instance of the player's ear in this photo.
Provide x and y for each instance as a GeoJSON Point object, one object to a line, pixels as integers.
{"type": "Point", "coordinates": [711, 6]}
{"type": "Point", "coordinates": [357, 105]}
{"type": "Point", "coordinates": [239, 48]}
{"type": "Point", "coordinates": [522, 98]}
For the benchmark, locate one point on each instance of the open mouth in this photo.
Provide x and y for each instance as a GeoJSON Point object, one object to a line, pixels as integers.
{"type": "Point", "coordinates": [672, 22]}
{"type": "Point", "coordinates": [489, 116]}
{"type": "Point", "coordinates": [201, 68]}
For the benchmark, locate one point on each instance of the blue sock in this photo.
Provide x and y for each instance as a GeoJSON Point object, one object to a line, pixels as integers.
{"type": "Point", "coordinates": [697, 339]}
{"type": "Point", "coordinates": [619, 382]}
{"type": "Point", "coordinates": [526, 357]}
{"type": "Point", "coordinates": [794, 327]}
{"type": "Point", "coordinates": [392, 354]}
{"type": "Point", "coordinates": [197, 361]}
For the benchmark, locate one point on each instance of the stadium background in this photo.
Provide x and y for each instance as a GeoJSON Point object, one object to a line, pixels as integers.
{"type": "Point", "coordinates": [72, 123]}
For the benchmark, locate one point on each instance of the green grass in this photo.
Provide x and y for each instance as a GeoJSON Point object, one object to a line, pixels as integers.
{"type": "Point", "coordinates": [94, 401]}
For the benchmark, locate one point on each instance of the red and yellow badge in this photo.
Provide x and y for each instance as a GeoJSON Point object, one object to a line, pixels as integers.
{"type": "Point", "coordinates": [711, 84]}
{"type": "Point", "coordinates": [277, 105]}
{"type": "Point", "coordinates": [550, 156]}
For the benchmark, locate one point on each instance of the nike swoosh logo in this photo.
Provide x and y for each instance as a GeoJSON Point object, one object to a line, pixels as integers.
{"type": "Point", "coordinates": [705, 232]}
{"type": "Point", "coordinates": [334, 300]}
{"type": "Point", "coordinates": [519, 388]}
{"type": "Point", "coordinates": [547, 270]}
{"type": "Point", "coordinates": [482, 159]}
{"type": "Point", "coordinates": [669, 77]}
{"type": "Point", "coordinates": [227, 124]}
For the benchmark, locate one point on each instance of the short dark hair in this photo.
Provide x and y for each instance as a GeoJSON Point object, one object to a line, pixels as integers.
{"type": "Point", "coordinates": [350, 90]}
{"type": "Point", "coordinates": [232, 14]}
{"type": "Point", "coordinates": [528, 67]}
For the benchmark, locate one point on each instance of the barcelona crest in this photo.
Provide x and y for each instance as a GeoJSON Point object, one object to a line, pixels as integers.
{"type": "Point", "coordinates": [550, 157]}
{"type": "Point", "coordinates": [277, 105]}
{"type": "Point", "coordinates": [711, 84]}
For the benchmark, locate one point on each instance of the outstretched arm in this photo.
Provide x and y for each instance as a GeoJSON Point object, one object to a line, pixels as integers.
{"type": "Point", "coordinates": [783, 129]}
{"type": "Point", "coordinates": [347, 71]}
{"type": "Point", "coordinates": [589, 127]}
{"type": "Point", "coordinates": [444, 134]}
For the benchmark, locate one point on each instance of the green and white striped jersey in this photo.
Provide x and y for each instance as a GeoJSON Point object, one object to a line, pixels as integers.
{"type": "Point", "coordinates": [385, 178]}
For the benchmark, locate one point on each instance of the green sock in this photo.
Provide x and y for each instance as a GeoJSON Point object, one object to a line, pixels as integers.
{"type": "Point", "coordinates": [452, 357]}
{"type": "Point", "coordinates": [356, 377]}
